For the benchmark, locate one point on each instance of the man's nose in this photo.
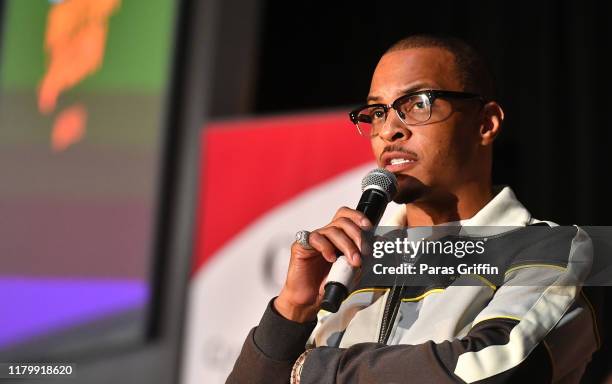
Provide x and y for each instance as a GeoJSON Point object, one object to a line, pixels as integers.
{"type": "Point", "coordinates": [394, 129]}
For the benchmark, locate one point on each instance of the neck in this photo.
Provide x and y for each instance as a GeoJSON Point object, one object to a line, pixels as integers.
{"type": "Point", "coordinates": [460, 204]}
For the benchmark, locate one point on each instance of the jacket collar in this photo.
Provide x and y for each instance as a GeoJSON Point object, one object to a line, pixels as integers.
{"type": "Point", "coordinates": [503, 210]}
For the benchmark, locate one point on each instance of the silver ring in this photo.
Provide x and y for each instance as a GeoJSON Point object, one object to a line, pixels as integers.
{"type": "Point", "coordinates": [301, 237]}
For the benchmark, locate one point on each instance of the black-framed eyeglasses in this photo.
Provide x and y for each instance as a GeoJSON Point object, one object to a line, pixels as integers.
{"type": "Point", "coordinates": [414, 108]}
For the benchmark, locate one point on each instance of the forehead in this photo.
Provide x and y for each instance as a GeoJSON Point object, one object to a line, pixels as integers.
{"type": "Point", "coordinates": [402, 70]}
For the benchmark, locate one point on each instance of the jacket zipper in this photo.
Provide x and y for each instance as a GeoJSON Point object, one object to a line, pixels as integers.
{"type": "Point", "coordinates": [391, 308]}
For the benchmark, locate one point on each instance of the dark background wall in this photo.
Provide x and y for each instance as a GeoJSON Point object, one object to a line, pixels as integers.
{"type": "Point", "coordinates": [550, 59]}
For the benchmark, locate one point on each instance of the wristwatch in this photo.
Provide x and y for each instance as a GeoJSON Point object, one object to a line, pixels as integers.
{"type": "Point", "coordinates": [296, 371]}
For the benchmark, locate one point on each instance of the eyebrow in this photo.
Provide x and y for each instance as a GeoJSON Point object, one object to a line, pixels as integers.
{"type": "Point", "coordinates": [413, 88]}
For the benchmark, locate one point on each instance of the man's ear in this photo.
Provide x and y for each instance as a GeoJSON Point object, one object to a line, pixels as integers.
{"type": "Point", "coordinates": [490, 126]}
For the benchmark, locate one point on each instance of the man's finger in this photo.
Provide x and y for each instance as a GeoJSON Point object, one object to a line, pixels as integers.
{"type": "Point", "coordinates": [323, 246]}
{"type": "Point", "coordinates": [357, 217]}
{"type": "Point", "coordinates": [343, 243]}
{"type": "Point", "coordinates": [352, 230]}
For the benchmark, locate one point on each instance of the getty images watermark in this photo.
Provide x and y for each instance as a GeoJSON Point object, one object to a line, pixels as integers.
{"type": "Point", "coordinates": [455, 255]}
{"type": "Point", "coordinates": [412, 248]}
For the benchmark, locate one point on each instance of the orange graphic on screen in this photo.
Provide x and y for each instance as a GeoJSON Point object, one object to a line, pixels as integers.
{"type": "Point", "coordinates": [75, 39]}
{"type": "Point", "coordinates": [69, 127]}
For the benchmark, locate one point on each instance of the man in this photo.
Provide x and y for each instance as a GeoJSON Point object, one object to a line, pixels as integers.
{"type": "Point", "coordinates": [432, 120]}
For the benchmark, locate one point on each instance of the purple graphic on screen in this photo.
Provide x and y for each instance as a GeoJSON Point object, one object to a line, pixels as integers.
{"type": "Point", "coordinates": [37, 306]}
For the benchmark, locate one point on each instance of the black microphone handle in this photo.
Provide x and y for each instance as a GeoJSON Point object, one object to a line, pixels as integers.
{"type": "Point", "coordinates": [372, 203]}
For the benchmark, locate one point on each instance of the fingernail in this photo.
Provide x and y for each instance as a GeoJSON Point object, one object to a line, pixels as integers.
{"type": "Point", "coordinates": [365, 223]}
{"type": "Point", "coordinates": [355, 257]}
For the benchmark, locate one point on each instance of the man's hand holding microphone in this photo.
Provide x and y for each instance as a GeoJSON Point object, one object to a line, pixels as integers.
{"type": "Point", "coordinates": [312, 282]}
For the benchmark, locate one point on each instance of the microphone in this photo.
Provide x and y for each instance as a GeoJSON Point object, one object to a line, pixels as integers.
{"type": "Point", "coordinates": [379, 187]}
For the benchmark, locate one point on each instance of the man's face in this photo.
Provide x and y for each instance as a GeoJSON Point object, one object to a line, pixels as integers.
{"type": "Point", "coordinates": [442, 154]}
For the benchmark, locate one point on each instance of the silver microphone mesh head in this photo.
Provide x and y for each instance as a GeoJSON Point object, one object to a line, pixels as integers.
{"type": "Point", "coordinates": [382, 180]}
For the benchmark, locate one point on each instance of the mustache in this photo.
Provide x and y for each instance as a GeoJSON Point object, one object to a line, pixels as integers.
{"type": "Point", "coordinates": [397, 148]}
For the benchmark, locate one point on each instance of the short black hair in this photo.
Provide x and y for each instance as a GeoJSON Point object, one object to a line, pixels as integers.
{"type": "Point", "coordinates": [475, 75]}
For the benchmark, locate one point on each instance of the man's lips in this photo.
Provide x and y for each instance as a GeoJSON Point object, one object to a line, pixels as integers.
{"type": "Point", "coordinates": [398, 161]}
